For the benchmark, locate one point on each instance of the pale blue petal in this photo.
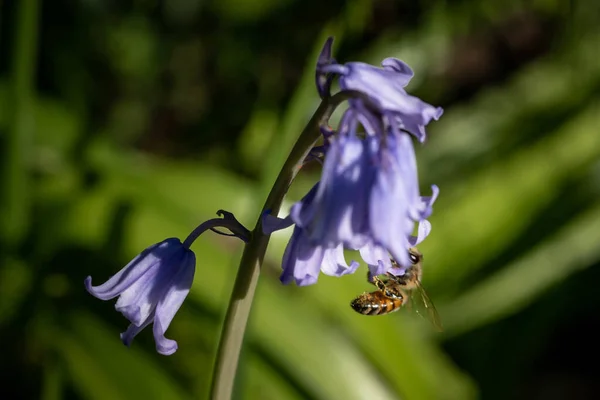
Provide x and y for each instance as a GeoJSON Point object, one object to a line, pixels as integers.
{"type": "Point", "coordinates": [170, 303]}
{"type": "Point", "coordinates": [133, 271]}
{"type": "Point", "coordinates": [422, 232]}
{"type": "Point", "coordinates": [302, 260]}
{"type": "Point", "coordinates": [334, 263]}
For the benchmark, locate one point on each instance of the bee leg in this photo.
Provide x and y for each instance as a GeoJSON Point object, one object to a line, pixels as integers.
{"type": "Point", "coordinates": [376, 281]}
{"type": "Point", "coordinates": [380, 285]}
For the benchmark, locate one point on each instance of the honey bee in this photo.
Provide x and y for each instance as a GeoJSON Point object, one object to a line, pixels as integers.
{"type": "Point", "coordinates": [396, 291]}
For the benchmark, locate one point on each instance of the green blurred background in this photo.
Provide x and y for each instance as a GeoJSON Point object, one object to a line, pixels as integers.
{"type": "Point", "coordinates": [126, 122]}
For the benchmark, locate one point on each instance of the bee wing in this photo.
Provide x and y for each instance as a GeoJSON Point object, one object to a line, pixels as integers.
{"type": "Point", "coordinates": [431, 312]}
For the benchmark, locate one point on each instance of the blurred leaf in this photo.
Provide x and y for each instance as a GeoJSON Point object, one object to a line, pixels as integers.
{"type": "Point", "coordinates": [255, 139]}
{"type": "Point", "coordinates": [573, 248]}
{"type": "Point", "coordinates": [15, 285]}
{"type": "Point", "coordinates": [264, 382]}
{"type": "Point", "coordinates": [56, 128]}
{"type": "Point", "coordinates": [132, 48]}
{"type": "Point", "coordinates": [481, 131]}
{"type": "Point", "coordinates": [102, 368]}
{"type": "Point", "coordinates": [481, 215]}
{"type": "Point", "coordinates": [52, 388]}
{"type": "Point", "coordinates": [198, 190]}
{"type": "Point", "coordinates": [241, 10]}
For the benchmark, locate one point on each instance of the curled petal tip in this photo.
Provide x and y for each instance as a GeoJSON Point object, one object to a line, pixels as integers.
{"type": "Point", "coordinates": [435, 191]}
{"type": "Point", "coordinates": [353, 267]}
{"type": "Point", "coordinates": [125, 339]}
{"type": "Point", "coordinates": [166, 347]}
{"type": "Point", "coordinates": [396, 65]}
{"type": "Point", "coordinates": [128, 335]}
{"type": "Point", "coordinates": [306, 281]}
{"type": "Point", "coordinates": [397, 271]}
{"type": "Point", "coordinates": [286, 279]}
{"type": "Point", "coordinates": [88, 285]}
{"type": "Point", "coordinates": [378, 268]}
{"type": "Point", "coordinates": [422, 232]}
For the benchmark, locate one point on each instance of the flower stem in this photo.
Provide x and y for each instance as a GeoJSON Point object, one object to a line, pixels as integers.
{"type": "Point", "coordinates": [232, 334]}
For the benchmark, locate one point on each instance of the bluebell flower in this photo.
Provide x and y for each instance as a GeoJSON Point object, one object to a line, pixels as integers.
{"type": "Point", "coordinates": [153, 286]}
{"type": "Point", "coordinates": [367, 199]}
{"type": "Point", "coordinates": [304, 258]}
{"type": "Point", "coordinates": [383, 86]}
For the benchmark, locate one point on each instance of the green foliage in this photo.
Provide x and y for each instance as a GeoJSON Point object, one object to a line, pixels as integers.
{"type": "Point", "coordinates": [516, 161]}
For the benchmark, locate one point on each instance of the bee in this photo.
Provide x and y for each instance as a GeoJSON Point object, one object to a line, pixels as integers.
{"type": "Point", "coordinates": [396, 291]}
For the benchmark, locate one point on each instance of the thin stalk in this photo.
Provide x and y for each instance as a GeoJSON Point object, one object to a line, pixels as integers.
{"type": "Point", "coordinates": [16, 199]}
{"type": "Point", "coordinates": [236, 318]}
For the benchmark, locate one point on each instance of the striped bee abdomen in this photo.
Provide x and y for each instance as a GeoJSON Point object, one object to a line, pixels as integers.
{"type": "Point", "coordinates": [375, 303]}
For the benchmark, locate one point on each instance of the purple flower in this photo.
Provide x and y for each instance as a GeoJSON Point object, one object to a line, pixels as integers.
{"type": "Point", "coordinates": [383, 86]}
{"type": "Point", "coordinates": [151, 288]}
{"type": "Point", "coordinates": [304, 258]}
{"type": "Point", "coordinates": [367, 199]}
{"type": "Point", "coordinates": [395, 203]}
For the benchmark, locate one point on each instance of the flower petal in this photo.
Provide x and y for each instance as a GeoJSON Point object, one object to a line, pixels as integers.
{"type": "Point", "coordinates": [399, 66]}
{"type": "Point", "coordinates": [140, 299]}
{"type": "Point", "coordinates": [427, 202]}
{"type": "Point", "coordinates": [303, 211]}
{"type": "Point", "coordinates": [414, 114]}
{"type": "Point", "coordinates": [385, 86]}
{"type": "Point", "coordinates": [133, 330]}
{"type": "Point", "coordinates": [377, 258]}
{"type": "Point", "coordinates": [404, 165]}
{"type": "Point", "coordinates": [133, 271]}
{"type": "Point", "coordinates": [335, 69]}
{"type": "Point", "coordinates": [170, 303]}
{"type": "Point", "coordinates": [334, 263]}
{"type": "Point", "coordinates": [422, 232]}
{"type": "Point", "coordinates": [301, 260]}
{"type": "Point", "coordinates": [390, 202]}
{"type": "Point", "coordinates": [342, 199]}
{"type": "Point", "coordinates": [398, 271]}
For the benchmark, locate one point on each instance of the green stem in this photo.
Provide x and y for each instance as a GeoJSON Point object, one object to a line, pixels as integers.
{"type": "Point", "coordinates": [20, 136]}
{"type": "Point", "coordinates": [240, 302]}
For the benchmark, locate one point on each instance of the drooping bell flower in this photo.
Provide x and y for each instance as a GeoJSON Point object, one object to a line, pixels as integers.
{"type": "Point", "coordinates": [153, 286]}
{"type": "Point", "coordinates": [367, 199]}
{"type": "Point", "coordinates": [383, 86]}
{"type": "Point", "coordinates": [305, 258]}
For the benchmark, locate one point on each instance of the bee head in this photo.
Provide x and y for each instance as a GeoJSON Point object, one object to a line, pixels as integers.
{"type": "Point", "coordinates": [414, 255]}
